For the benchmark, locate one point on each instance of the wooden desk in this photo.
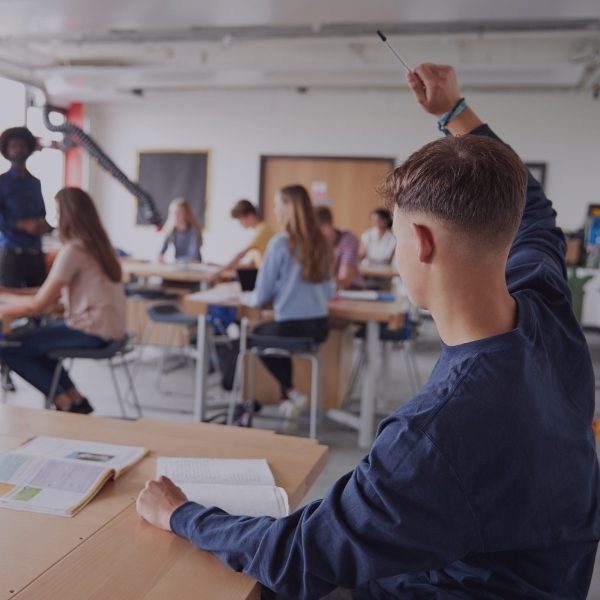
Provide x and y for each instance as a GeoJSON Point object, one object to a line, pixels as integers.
{"type": "Point", "coordinates": [378, 271]}
{"type": "Point", "coordinates": [372, 314]}
{"type": "Point", "coordinates": [198, 273]}
{"type": "Point", "coordinates": [106, 551]}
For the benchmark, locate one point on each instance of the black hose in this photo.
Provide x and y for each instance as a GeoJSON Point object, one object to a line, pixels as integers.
{"type": "Point", "coordinates": [147, 205]}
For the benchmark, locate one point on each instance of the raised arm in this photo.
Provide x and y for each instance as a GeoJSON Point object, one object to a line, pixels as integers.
{"type": "Point", "coordinates": [539, 245]}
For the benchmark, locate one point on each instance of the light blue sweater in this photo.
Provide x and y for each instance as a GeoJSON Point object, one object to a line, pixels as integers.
{"type": "Point", "coordinates": [280, 281]}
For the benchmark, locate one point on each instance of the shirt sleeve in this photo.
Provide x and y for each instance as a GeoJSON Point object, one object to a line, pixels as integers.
{"type": "Point", "coordinates": [41, 205]}
{"type": "Point", "coordinates": [165, 245]}
{"type": "Point", "coordinates": [269, 272]}
{"type": "Point", "coordinates": [536, 259]}
{"type": "Point", "coordinates": [349, 251]}
{"type": "Point", "coordinates": [401, 510]}
{"type": "Point", "coordinates": [65, 265]}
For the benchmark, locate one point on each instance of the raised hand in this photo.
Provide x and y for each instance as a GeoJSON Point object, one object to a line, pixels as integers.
{"type": "Point", "coordinates": [435, 87]}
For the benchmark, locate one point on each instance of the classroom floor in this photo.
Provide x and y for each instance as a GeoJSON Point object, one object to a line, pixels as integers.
{"type": "Point", "coordinates": [94, 380]}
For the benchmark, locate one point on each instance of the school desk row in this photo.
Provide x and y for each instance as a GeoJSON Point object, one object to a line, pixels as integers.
{"type": "Point", "coordinates": [335, 354]}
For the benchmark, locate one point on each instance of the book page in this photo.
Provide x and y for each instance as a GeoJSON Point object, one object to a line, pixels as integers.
{"type": "Point", "coordinates": [48, 485]}
{"type": "Point", "coordinates": [238, 486]}
{"type": "Point", "coordinates": [216, 470]}
{"type": "Point", "coordinates": [106, 456]}
{"type": "Point", "coordinates": [250, 500]}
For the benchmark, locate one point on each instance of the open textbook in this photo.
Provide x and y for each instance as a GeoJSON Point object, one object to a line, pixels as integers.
{"type": "Point", "coordinates": [60, 476]}
{"type": "Point", "coordinates": [238, 486]}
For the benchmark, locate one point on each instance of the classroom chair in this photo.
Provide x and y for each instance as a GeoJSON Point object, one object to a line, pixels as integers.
{"type": "Point", "coordinates": [404, 340]}
{"type": "Point", "coordinates": [115, 349]}
{"type": "Point", "coordinates": [253, 345]}
{"type": "Point", "coordinates": [171, 314]}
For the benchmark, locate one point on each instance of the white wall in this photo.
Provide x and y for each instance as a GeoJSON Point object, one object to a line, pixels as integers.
{"type": "Point", "coordinates": [561, 129]}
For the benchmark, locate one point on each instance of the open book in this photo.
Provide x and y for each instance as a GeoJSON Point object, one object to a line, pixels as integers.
{"type": "Point", "coordinates": [238, 486]}
{"type": "Point", "coordinates": [59, 476]}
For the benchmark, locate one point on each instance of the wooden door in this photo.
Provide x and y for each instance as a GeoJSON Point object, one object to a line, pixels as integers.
{"type": "Point", "coordinates": [346, 185]}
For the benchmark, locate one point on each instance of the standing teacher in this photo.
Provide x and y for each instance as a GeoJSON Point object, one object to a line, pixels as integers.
{"type": "Point", "coordinates": [22, 214]}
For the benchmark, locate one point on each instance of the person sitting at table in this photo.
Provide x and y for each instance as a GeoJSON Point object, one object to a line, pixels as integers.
{"type": "Point", "coordinates": [486, 484]}
{"type": "Point", "coordinates": [247, 215]}
{"type": "Point", "coordinates": [87, 274]}
{"type": "Point", "coordinates": [296, 276]}
{"type": "Point", "coordinates": [377, 244]}
{"type": "Point", "coordinates": [183, 231]}
{"type": "Point", "coordinates": [345, 249]}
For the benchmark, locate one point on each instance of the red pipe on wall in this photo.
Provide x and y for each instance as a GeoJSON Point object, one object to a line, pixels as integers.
{"type": "Point", "coordinates": [74, 156]}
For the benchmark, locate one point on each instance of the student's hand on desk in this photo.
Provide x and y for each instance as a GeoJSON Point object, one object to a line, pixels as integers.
{"type": "Point", "coordinates": [158, 500]}
{"type": "Point", "coordinates": [435, 87]}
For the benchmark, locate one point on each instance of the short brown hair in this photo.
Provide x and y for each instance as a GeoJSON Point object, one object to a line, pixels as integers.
{"type": "Point", "coordinates": [324, 215]}
{"type": "Point", "coordinates": [474, 183]}
{"type": "Point", "coordinates": [243, 208]}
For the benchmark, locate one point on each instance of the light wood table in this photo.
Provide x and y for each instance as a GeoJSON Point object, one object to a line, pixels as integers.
{"type": "Point", "coordinates": [372, 314]}
{"type": "Point", "coordinates": [199, 273]}
{"type": "Point", "coordinates": [106, 551]}
{"type": "Point", "coordinates": [378, 271]}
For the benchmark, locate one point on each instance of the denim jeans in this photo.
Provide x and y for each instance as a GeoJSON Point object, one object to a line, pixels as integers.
{"type": "Point", "coordinates": [29, 360]}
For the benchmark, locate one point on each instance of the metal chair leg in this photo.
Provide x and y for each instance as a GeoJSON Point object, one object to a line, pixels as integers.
{"type": "Point", "coordinates": [314, 394]}
{"type": "Point", "coordinates": [117, 389]}
{"type": "Point", "coordinates": [236, 389]}
{"type": "Point", "coordinates": [54, 385]}
{"type": "Point", "coordinates": [356, 370]}
{"type": "Point", "coordinates": [131, 389]}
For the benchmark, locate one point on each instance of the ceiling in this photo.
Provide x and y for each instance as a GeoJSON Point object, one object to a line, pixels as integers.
{"type": "Point", "coordinates": [131, 49]}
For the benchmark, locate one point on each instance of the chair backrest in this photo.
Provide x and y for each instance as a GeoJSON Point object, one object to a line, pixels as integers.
{"type": "Point", "coordinates": [247, 279]}
{"type": "Point", "coordinates": [290, 344]}
{"type": "Point", "coordinates": [108, 351]}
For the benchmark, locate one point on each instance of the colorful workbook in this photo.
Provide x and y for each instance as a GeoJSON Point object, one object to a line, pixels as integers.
{"type": "Point", "coordinates": [60, 476]}
{"type": "Point", "coordinates": [238, 486]}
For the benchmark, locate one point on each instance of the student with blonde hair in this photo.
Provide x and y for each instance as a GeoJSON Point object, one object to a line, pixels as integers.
{"type": "Point", "coordinates": [296, 276]}
{"type": "Point", "coordinates": [183, 230]}
{"type": "Point", "coordinates": [87, 274]}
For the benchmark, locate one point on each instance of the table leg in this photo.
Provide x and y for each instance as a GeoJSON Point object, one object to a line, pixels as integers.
{"type": "Point", "coordinates": [369, 391]}
{"type": "Point", "coordinates": [201, 370]}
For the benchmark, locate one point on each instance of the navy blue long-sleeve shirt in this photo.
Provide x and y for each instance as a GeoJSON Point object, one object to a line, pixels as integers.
{"type": "Point", "coordinates": [20, 198]}
{"type": "Point", "coordinates": [485, 485]}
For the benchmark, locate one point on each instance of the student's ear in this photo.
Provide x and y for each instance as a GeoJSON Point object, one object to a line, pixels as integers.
{"type": "Point", "coordinates": [425, 243]}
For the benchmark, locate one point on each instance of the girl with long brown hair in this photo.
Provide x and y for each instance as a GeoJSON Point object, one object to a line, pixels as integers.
{"type": "Point", "coordinates": [87, 274]}
{"type": "Point", "coordinates": [297, 277]}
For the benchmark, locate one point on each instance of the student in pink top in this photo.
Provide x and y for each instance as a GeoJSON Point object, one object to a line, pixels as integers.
{"type": "Point", "coordinates": [86, 276]}
{"type": "Point", "coordinates": [345, 250]}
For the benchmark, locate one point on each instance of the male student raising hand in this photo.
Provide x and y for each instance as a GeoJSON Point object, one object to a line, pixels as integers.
{"type": "Point", "coordinates": [486, 484]}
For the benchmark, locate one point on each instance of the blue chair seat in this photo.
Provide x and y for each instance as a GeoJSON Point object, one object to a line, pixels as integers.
{"type": "Point", "coordinates": [170, 314]}
{"type": "Point", "coordinates": [293, 345]}
{"type": "Point", "coordinates": [107, 351]}
{"type": "Point", "coordinates": [135, 290]}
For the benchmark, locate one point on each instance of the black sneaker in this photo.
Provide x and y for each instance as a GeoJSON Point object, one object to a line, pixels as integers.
{"type": "Point", "coordinates": [82, 407]}
{"type": "Point", "coordinates": [242, 414]}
